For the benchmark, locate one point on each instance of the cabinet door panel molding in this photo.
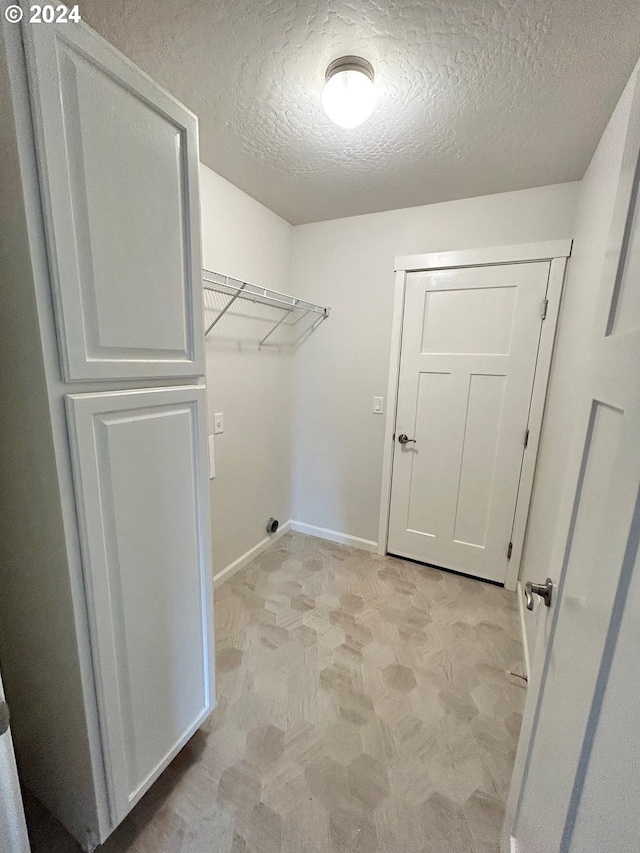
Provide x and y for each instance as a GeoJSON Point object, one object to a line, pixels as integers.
{"type": "Point", "coordinates": [143, 517]}
{"type": "Point", "coordinates": [118, 164]}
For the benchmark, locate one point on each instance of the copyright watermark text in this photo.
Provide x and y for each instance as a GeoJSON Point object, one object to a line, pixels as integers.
{"type": "Point", "coordinates": [46, 14]}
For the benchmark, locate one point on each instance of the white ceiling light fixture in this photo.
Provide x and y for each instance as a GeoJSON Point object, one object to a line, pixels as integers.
{"type": "Point", "coordinates": [349, 95]}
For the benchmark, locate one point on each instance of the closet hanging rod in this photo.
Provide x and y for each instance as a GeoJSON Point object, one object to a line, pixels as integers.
{"type": "Point", "coordinates": [263, 295]}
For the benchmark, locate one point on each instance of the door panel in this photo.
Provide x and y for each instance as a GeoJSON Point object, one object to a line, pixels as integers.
{"type": "Point", "coordinates": [426, 510]}
{"type": "Point", "coordinates": [139, 461]}
{"type": "Point", "coordinates": [118, 163]}
{"type": "Point", "coordinates": [482, 431]}
{"type": "Point", "coordinates": [608, 806]}
{"type": "Point", "coordinates": [576, 781]}
{"type": "Point", "coordinates": [469, 320]}
{"type": "Point", "coordinates": [469, 348]}
{"type": "Point", "coordinates": [583, 628]}
{"type": "Point", "coordinates": [625, 305]}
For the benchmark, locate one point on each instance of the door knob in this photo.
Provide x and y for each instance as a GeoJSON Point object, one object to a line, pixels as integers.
{"type": "Point", "coordinates": [544, 590]}
{"type": "Point", "coordinates": [404, 439]}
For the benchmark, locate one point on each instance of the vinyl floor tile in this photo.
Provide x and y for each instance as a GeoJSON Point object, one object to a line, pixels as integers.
{"type": "Point", "coordinates": [363, 707]}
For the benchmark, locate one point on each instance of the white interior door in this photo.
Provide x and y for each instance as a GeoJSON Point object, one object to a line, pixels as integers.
{"type": "Point", "coordinates": [469, 347]}
{"type": "Point", "coordinates": [13, 831]}
{"type": "Point", "coordinates": [118, 164]}
{"type": "Point", "coordinates": [576, 783]}
{"type": "Point", "coordinates": [140, 468]}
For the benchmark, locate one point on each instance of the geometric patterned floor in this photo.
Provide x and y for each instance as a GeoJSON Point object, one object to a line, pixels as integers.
{"type": "Point", "coordinates": [363, 707]}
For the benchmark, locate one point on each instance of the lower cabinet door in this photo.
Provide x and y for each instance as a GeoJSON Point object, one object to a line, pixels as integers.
{"type": "Point", "coordinates": [140, 469]}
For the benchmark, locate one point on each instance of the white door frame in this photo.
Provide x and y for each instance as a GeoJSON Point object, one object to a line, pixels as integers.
{"type": "Point", "coordinates": [555, 251]}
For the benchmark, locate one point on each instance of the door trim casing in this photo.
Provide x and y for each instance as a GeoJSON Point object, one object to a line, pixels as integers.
{"type": "Point", "coordinates": [554, 251]}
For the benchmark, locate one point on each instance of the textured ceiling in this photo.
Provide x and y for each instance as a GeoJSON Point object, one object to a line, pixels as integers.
{"type": "Point", "coordinates": [476, 96]}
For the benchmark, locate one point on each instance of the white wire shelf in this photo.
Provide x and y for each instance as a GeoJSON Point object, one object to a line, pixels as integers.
{"type": "Point", "coordinates": [294, 309]}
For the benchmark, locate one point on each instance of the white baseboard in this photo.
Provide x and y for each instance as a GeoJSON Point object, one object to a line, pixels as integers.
{"type": "Point", "coordinates": [523, 628]}
{"type": "Point", "coordinates": [252, 553]}
{"type": "Point", "coordinates": [335, 536]}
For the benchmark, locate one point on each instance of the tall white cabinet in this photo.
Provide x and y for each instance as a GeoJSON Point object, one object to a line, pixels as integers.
{"type": "Point", "coordinates": [106, 602]}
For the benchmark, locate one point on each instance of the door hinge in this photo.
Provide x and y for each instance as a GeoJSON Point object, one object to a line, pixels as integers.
{"type": "Point", "coordinates": [526, 438]}
{"type": "Point", "coordinates": [545, 305]}
{"type": "Point", "coordinates": [509, 550]}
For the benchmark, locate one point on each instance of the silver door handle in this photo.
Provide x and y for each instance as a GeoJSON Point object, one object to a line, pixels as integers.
{"type": "Point", "coordinates": [544, 590]}
{"type": "Point", "coordinates": [404, 439]}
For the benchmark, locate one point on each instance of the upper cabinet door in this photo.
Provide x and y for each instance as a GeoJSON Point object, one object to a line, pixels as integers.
{"type": "Point", "coordinates": [118, 162]}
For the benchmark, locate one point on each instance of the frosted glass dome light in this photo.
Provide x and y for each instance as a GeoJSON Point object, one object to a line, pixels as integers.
{"type": "Point", "coordinates": [349, 95]}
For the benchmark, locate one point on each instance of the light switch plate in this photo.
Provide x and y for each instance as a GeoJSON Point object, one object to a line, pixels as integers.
{"type": "Point", "coordinates": [212, 458]}
{"type": "Point", "coordinates": [218, 423]}
{"type": "Point", "coordinates": [378, 405]}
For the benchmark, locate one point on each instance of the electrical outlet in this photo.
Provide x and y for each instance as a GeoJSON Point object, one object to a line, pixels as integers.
{"type": "Point", "coordinates": [218, 423]}
{"type": "Point", "coordinates": [378, 405]}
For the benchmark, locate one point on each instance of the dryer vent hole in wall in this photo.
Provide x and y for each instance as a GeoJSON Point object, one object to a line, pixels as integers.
{"type": "Point", "coordinates": [272, 526]}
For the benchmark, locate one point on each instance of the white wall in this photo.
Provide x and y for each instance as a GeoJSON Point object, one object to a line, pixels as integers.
{"type": "Point", "coordinates": [243, 239]}
{"type": "Point", "coordinates": [336, 443]}
{"type": "Point", "coordinates": [593, 220]}
{"type": "Point", "coordinates": [348, 264]}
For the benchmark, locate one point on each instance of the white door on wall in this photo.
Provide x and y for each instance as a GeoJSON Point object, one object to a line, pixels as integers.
{"type": "Point", "coordinates": [118, 166]}
{"type": "Point", "coordinates": [469, 347]}
{"type": "Point", "coordinates": [576, 781]}
{"type": "Point", "coordinates": [143, 512]}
